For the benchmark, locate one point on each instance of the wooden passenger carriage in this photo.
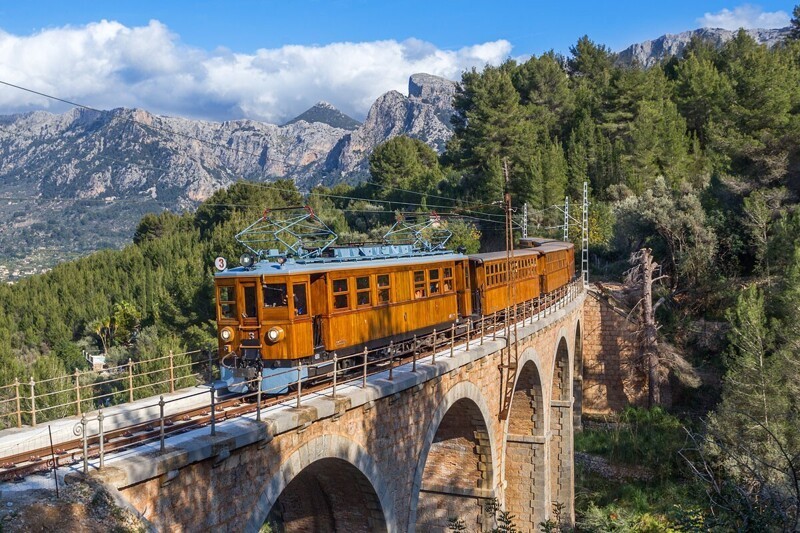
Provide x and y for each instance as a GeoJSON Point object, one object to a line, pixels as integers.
{"type": "Point", "coordinates": [286, 313]}
{"type": "Point", "coordinates": [276, 315]}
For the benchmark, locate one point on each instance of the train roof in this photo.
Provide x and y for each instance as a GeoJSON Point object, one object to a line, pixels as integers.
{"type": "Point", "coordinates": [554, 245]}
{"type": "Point", "coordinates": [291, 267]}
{"type": "Point", "coordinates": [497, 256]}
{"type": "Point", "coordinates": [534, 242]}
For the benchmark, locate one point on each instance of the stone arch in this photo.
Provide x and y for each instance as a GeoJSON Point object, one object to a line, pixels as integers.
{"type": "Point", "coordinates": [323, 464]}
{"type": "Point", "coordinates": [458, 441]}
{"type": "Point", "coordinates": [577, 378]}
{"type": "Point", "coordinates": [526, 466]}
{"type": "Point", "coordinates": [562, 484]}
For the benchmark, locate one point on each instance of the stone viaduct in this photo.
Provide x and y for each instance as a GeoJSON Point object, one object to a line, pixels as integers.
{"type": "Point", "coordinates": [404, 454]}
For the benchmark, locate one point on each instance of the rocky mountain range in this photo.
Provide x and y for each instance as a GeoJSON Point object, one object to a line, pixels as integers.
{"type": "Point", "coordinates": [99, 171]}
{"type": "Point", "coordinates": [649, 53]}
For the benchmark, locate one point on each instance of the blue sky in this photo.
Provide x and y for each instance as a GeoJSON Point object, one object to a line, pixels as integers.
{"type": "Point", "coordinates": [221, 60]}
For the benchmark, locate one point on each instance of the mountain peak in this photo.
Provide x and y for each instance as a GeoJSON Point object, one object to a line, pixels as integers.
{"type": "Point", "coordinates": [326, 113]}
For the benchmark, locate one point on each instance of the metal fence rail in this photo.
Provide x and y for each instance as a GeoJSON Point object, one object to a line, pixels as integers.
{"type": "Point", "coordinates": [32, 402]}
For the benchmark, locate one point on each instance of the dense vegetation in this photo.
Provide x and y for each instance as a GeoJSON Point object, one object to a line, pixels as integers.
{"type": "Point", "coordinates": [697, 158]}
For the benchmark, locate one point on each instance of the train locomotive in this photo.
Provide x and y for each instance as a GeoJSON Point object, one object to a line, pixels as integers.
{"type": "Point", "coordinates": [284, 317]}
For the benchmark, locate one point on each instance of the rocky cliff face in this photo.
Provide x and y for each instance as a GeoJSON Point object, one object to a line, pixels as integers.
{"type": "Point", "coordinates": [649, 53]}
{"type": "Point", "coordinates": [89, 154]}
{"type": "Point", "coordinates": [424, 114]}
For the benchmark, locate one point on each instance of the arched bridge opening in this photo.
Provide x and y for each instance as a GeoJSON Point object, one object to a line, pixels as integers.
{"type": "Point", "coordinates": [329, 495]}
{"type": "Point", "coordinates": [561, 479]}
{"type": "Point", "coordinates": [527, 491]}
{"type": "Point", "coordinates": [458, 474]}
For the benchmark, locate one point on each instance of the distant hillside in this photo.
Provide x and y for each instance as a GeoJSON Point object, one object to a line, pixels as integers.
{"type": "Point", "coordinates": [648, 53]}
{"type": "Point", "coordinates": [325, 113]}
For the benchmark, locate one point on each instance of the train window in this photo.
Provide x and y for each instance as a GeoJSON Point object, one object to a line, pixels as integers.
{"type": "Point", "coordinates": [363, 295]}
{"type": "Point", "coordinates": [419, 284]}
{"type": "Point", "coordinates": [299, 295]}
{"type": "Point", "coordinates": [383, 288]}
{"type": "Point", "coordinates": [340, 294]}
{"type": "Point", "coordinates": [250, 305]}
{"type": "Point", "coordinates": [433, 277]}
{"type": "Point", "coordinates": [447, 274]}
{"type": "Point", "coordinates": [227, 302]}
{"type": "Point", "coordinates": [275, 295]}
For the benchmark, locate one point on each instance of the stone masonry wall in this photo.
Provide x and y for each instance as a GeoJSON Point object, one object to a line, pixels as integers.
{"type": "Point", "coordinates": [613, 378]}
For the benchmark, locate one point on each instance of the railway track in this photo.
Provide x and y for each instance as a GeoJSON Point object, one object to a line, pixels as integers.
{"type": "Point", "coordinates": [15, 468]}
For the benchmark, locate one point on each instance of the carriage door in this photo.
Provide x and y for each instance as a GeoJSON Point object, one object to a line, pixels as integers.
{"type": "Point", "coordinates": [319, 307]}
{"type": "Point", "coordinates": [250, 310]}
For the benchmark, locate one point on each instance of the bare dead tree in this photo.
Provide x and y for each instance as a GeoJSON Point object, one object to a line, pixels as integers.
{"type": "Point", "coordinates": [639, 279]}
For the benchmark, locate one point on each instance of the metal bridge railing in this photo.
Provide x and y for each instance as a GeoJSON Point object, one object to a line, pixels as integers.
{"type": "Point", "coordinates": [32, 402]}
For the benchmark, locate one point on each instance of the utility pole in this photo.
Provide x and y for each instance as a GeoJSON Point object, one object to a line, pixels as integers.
{"type": "Point", "coordinates": [510, 366]}
{"type": "Point", "coordinates": [585, 236]}
{"type": "Point", "coordinates": [566, 218]}
{"type": "Point", "coordinates": [525, 220]}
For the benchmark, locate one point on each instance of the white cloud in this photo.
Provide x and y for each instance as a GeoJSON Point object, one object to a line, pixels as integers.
{"type": "Point", "coordinates": [106, 64]}
{"type": "Point", "coordinates": [746, 16]}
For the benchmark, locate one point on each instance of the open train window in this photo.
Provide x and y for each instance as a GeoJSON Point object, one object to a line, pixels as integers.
{"type": "Point", "coordinates": [383, 288]}
{"type": "Point", "coordinates": [340, 294]}
{"type": "Point", "coordinates": [275, 295]}
{"type": "Point", "coordinates": [433, 278]}
{"type": "Point", "coordinates": [299, 299]}
{"type": "Point", "coordinates": [226, 297]}
{"type": "Point", "coordinates": [363, 294]}
{"type": "Point", "coordinates": [420, 291]}
{"type": "Point", "coordinates": [447, 275]}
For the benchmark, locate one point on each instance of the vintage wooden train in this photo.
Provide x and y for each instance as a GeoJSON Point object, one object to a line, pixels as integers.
{"type": "Point", "coordinates": [277, 315]}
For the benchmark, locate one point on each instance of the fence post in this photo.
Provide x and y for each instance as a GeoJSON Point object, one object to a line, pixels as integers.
{"type": "Point", "coordinates": [85, 439]}
{"type": "Point", "coordinates": [130, 379]}
{"type": "Point", "coordinates": [299, 383]}
{"type": "Point", "coordinates": [452, 339]}
{"type": "Point", "coordinates": [78, 392]}
{"type": "Point", "coordinates": [259, 379]}
{"type": "Point", "coordinates": [33, 402]}
{"type": "Point", "coordinates": [494, 326]}
{"type": "Point", "coordinates": [19, 410]}
{"type": "Point", "coordinates": [433, 357]}
{"type": "Point", "coordinates": [213, 411]}
{"type": "Point", "coordinates": [469, 330]}
{"type": "Point", "coordinates": [482, 330]}
{"type": "Point", "coordinates": [171, 372]}
{"type": "Point", "coordinates": [335, 371]}
{"type": "Point", "coordinates": [414, 356]}
{"type": "Point", "coordinates": [102, 438]}
{"type": "Point", "coordinates": [364, 377]}
{"type": "Point", "coordinates": [161, 415]}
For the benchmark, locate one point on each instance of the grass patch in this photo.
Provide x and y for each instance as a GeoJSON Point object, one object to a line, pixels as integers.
{"type": "Point", "coordinates": [659, 497]}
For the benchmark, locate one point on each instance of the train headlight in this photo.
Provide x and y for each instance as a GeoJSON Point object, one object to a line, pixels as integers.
{"type": "Point", "coordinates": [226, 334]}
{"type": "Point", "coordinates": [274, 334]}
{"type": "Point", "coordinates": [246, 260]}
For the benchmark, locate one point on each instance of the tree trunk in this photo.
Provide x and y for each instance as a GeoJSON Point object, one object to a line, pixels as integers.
{"type": "Point", "coordinates": [650, 330]}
